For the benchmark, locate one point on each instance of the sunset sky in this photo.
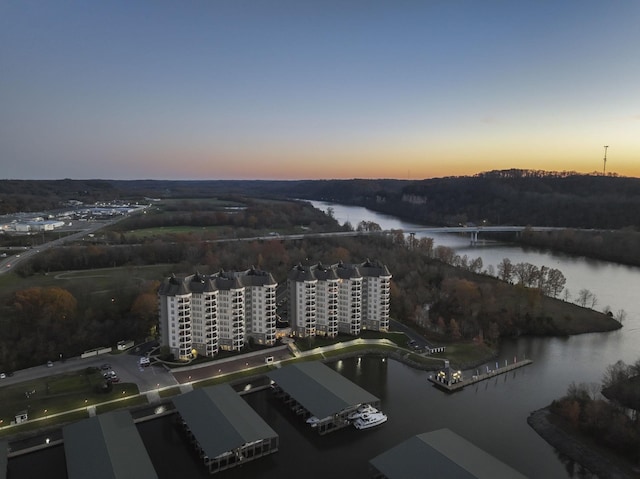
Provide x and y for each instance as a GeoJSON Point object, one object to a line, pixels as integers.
{"type": "Point", "coordinates": [299, 89]}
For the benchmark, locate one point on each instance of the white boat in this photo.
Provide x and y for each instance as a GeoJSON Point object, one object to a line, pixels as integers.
{"type": "Point", "coordinates": [364, 409]}
{"type": "Point", "coordinates": [370, 420]}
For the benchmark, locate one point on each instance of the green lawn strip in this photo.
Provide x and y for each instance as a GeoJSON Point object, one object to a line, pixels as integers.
{"type": "Point", "coordinates": [225, 378]}
{"type": "Point", "coordinates": [172, 230]}
{"type": "Point", "coordinates": [50, 395]}
{"type": "Point", "coordinates": [165, 393]}
{"type": "Point", "coordinates": [57, 394]}
{"type": "Point", "coordinates": [311, 343]}
{"type": "Point", "coordinates": [463, 354]}
{"type": "Point", "coordinates": [101, 279]}
{"type": "Point", "coordinates": [35, 425]}
{"type": "Point", "coordinates": [124, 403]}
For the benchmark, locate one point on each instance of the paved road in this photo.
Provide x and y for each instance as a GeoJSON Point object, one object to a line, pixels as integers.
{"type": "Point", "coordinates": [124, 364]}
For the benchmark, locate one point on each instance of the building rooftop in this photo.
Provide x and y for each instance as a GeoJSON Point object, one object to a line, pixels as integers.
{"type": "Point", "coordinates": [106, 446]}
{"type": "Point", "coordinates": [441, 453]}
{"type": "Point", "coordinates": [319, 389]}
{"type": "Point", "coordinates": [220, 419]}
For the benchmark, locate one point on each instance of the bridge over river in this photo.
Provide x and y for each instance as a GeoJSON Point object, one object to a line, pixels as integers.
{"type": "Point", "coordinates": [473, 231]}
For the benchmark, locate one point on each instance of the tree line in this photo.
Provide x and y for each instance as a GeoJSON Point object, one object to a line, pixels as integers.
{"type": "Point", "coordinates": [517, 197]}
{"type": "Point", "coordinates": [607, 412]}
{"type": "Point", "coordinates": [446, 300]}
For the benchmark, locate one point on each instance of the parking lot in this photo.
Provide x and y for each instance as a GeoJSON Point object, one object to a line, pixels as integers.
{"type": "Point", "coordinates": [126, 366]}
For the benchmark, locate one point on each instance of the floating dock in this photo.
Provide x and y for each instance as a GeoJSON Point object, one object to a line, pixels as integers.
{"type": "Point", "coordinates": [456, 386]}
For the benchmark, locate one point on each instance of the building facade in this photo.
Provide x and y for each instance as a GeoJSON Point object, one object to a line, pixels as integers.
{"type": "Point", "coordinates": [203, 314]}
{"type": "Point", "coordinates": [341, 298]}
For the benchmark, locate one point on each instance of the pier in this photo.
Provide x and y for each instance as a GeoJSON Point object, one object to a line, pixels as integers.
{"type": "Point", "coordinates": [452, 386]}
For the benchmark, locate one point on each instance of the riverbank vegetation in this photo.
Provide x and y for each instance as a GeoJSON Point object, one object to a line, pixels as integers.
{"type": "Point", "coordinates": [602, 415]}
{"type": "Point", "coordinates": [619, 246]}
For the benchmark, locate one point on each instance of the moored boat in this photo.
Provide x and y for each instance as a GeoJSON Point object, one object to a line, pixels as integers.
{"type": "Point", "coordinates": [364, 409]}
{"type": "Point", "coordinates": [370, 420]}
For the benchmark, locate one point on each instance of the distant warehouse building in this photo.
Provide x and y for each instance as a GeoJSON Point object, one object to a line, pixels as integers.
{"type": "Point", "coordinates": [341, 298]}
{"type": "Point", "coordinates": [202, 314]}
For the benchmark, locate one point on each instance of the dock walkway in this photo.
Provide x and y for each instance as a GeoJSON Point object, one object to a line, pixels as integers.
{"type": "Point", "coordinates": [479, 377]}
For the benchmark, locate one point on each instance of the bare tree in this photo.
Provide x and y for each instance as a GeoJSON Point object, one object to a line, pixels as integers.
{"type": "Point", "coordinates": [556, 282]}
{"type": "Point", "coordinates": [491, 271]}
{"type": "Point", "coordinates": [475, 266]}
{"type": "Point", "coordinates": [615, 373]}
{"type": "Point", "coordinates": [620, 315]}
{"type": "Point", "coordinates": [505, 270]}
{"type": "Point", "coordinates": [584, 297]}
{"type": "Point", "coordinates": [526, 273]}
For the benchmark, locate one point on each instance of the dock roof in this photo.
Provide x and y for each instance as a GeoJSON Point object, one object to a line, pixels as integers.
{"type": "Point", "coordinates": [441, 453]}
{"type": "Point", "coordinates": [319, 389]}
{"type": "Point", "coordinates": [220, 419]}
{"type": "Point", "coordinates": [4, 454]}
{"type": "Point", "coordinates": [106, 446]}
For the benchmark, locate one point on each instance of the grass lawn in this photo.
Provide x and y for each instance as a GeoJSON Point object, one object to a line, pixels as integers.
{"type": "Point", "coordinates": [54, 421]}
{"type": "Point", "coordinates": [232, 377]}
{"type": "Point", "coordinates": [461, 354]}
{"type": "Point", "coordinates": [101, 279]}
{"type": "Point", "coordinates": [306, 344]}
{"type": "Point", "coordinates": [56, 394]}
{"type": "Point", "coordinates": [129, 402]}
{"type": "Point", "coordinates": [173, 230]}
{"type": "Point", "coordinates": [165, 393]}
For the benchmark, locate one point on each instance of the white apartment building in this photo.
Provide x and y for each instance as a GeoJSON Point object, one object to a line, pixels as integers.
{"type": "Point", "coordinates": [301, 285]}
{"type": "Point", "coordinates": [342, 298]}
{"type": "Point", "coordinates": [206, 313]}
{"type": "Point", "coordinates": [376, 294]}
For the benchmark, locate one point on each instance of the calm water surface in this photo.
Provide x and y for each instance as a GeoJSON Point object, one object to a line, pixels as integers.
{"type": "Point", "coordinates": [491, 414]}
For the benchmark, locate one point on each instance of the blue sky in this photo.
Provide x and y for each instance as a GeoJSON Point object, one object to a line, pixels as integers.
{"type": "Point", "coordinates": [326, 89]}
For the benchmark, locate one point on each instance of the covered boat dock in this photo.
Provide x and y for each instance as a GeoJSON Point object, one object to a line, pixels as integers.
{"type": "Point", "coordinates": [440, 453]}
{"type": "Point", "coordinates": [314, 390]}
{"type": "Point", "coordinates": [225, 430]}
{"type": "Point", "coordinates": [4, 453]}
{"type": "Point", "coordinates": [106, 446]}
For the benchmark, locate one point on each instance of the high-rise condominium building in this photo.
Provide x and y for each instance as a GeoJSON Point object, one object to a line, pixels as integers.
{"type": "Point", "coordinates": [345, 298]}
{"type": "Point", "coordinates": [206, 313]}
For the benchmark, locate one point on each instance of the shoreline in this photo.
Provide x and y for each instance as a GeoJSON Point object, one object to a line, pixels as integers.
{"type": "Point", "coordinates": [574, 448]}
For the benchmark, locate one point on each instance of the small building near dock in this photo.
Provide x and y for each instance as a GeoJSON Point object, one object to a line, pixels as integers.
{"type": "Point", "coordinates": [440, 453]}
{"type": "Point", "coordinates": [225, 430]}
{"type": "Point", "coordinates": [318, 393]}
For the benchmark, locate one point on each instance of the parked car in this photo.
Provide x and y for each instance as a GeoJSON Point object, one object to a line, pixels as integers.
{"type": "Point", "coordinates": [49, 364]}
{"type": "Point", "coordinates": [145, 361]}
{"type": "Point", "coordinates": [105, 367]}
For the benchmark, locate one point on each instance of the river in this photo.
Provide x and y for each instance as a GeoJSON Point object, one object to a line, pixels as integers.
{"type": "Point", "coordinates": [491, 414]}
